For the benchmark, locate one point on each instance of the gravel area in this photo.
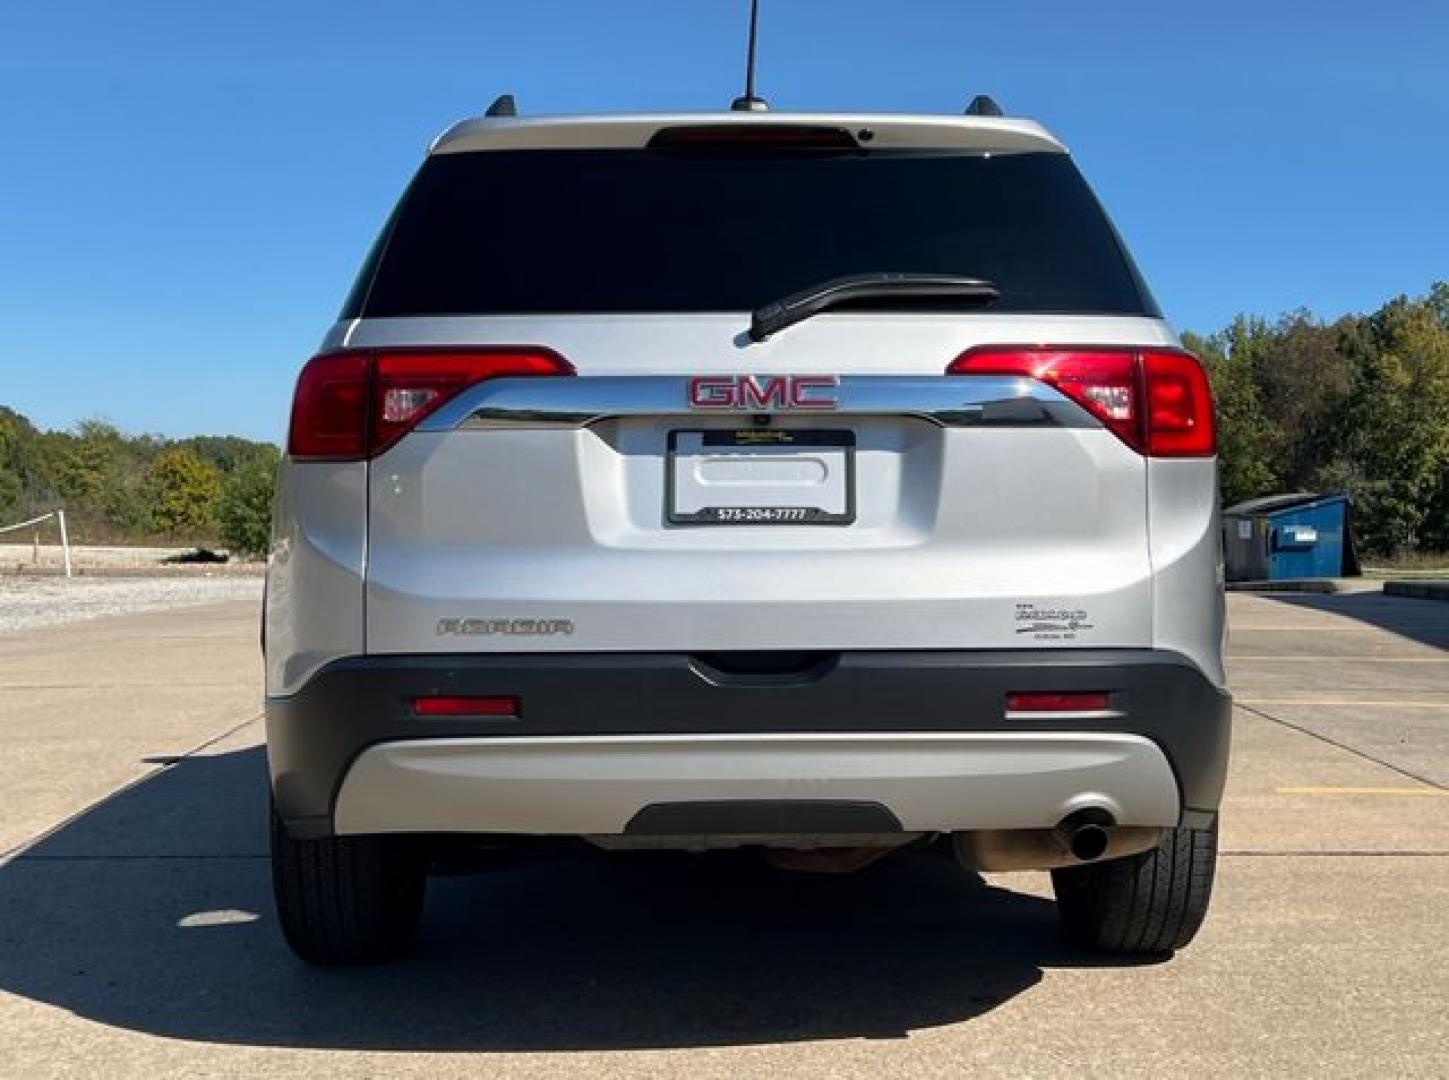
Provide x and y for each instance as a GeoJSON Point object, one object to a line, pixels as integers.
{"type": "Point", "coordinates": [118, 561]}
{"type": "Point", "coordinates": [27, 556]}
{"type": "Point", "coordinates": [27, 603]}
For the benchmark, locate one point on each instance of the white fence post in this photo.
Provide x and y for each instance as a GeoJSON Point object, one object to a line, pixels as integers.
{"type": "Point", "coordinates": [59, 516]}
{"type": "Point", "coordinates": [64, 540]}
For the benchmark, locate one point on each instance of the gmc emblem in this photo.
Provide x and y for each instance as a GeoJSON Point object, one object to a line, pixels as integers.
{"type": "Point", "coordinates": [764, 393]}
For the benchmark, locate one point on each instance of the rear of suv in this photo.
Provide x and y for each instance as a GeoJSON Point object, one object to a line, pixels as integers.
{"type": "Point", "coordinates": [823, 483]}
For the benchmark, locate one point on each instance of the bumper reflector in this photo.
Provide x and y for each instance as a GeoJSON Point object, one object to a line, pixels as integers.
{"type": "Point", "coordinates": [1056, 701]}
{"type": "Point", "coordinates": [498, 707]}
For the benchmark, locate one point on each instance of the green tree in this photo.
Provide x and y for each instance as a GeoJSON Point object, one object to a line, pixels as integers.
{"type": "Point", "coordinates": [11, 493]}
{"type": "Point", "coordinates": [1360, 405]}
{"type": "Point", "coordinates": [1394, 423]}
{"type": "Point", "coordinates": [97, 473]}
{"type": "Point", "coordinates": [85, 464]}
{"type": "Point", "coordinates": [183, 492]}
{"type": "Point", "coordinates": [226, 452]}
{"type": "Point", "coordinates": [1246, 442]}
{"type": "Point", "coordinates": [1436, 517]}
{"type": "Point", "coordinates": [114, 486]}
{"type": "Point", "coordinates": [17, 463]}
{"type": "Point", "coordinates": [1305, 379]}
{"type": "Point", "coordinates": [245, 510]}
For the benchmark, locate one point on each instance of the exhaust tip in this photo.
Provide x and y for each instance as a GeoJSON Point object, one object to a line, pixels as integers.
{"type": "Point", "coordinates": [1087, 842]}
{"type": "Point", "coordinates": [1083, 834]}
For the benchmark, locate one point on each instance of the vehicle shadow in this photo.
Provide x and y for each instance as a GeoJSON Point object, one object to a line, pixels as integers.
{"type": "Point", "coordinates": [1425, 621]}
{"type": "Point", "coordinates": [152, 911]}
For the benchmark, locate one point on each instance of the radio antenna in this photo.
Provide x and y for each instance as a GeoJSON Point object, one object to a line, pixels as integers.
{"type": "Point", "coordinates": [750, 103]}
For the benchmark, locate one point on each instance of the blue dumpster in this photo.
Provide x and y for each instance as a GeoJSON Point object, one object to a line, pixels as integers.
{"type": "Point", "coordinates": [1292, 536]}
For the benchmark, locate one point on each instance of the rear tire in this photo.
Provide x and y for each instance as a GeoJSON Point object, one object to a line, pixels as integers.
{"type": "Point", "coordinates": [347, 899]}
{"type": "Point", "coordinates": [1142, 905]}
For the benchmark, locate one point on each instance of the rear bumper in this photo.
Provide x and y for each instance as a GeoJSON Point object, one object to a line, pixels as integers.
{"type": "Point", "coordinates": [915, 740]}
{"type": "Point", "coordinates": [687, 785]}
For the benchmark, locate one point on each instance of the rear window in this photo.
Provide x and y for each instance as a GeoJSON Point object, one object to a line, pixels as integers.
{"type": "Point", "coordinates": [530, 232]}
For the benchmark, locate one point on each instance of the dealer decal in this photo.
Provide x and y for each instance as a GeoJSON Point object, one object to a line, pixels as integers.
{"type": "Point", "coordinates": [1051, 623]}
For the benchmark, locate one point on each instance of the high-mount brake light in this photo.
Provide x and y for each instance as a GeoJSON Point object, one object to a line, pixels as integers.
{"type": "Point", "coordinates": [1155, 400]}
{"type": "Point", "coordinates": [355, 404]}
{"type": "Point", "coordinates": [752, 138]}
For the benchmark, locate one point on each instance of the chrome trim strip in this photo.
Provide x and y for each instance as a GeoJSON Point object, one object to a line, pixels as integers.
{"type": "Point", "coordinates": [949, 401]}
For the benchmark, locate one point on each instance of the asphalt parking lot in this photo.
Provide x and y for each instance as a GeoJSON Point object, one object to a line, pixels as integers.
{"type": "Point", "coordinates": [137, 936]}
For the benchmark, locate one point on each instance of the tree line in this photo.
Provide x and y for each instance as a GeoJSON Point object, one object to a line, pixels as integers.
{"type": "Point", "coordinates": [1357, 405]}
{"type": "Point", "coordinates": [209, 490]}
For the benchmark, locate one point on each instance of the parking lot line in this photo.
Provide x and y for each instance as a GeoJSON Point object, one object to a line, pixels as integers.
{"type": "Point", "coordinates": [1258, 702]}
{"type": "Point", "coordinates": [1438, 793]}
{"type": "Point", "coordinates": [1234, 657]}
{"type": "Point", "coordinates": [1316, 625]}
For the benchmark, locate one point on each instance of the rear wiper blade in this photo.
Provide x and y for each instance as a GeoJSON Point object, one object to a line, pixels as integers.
{"type": "Point", "coordinates": [773, 317]}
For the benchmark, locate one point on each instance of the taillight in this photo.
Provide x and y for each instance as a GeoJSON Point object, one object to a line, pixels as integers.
{"type": "Point", "coordinates": [1057, 701]}
{"type": "Point", "coordinates": [460, 706]}
{"type": "Point", "coordinates": [355, 404]}
{"type": "Point", "coordinates": [1156, 401]}
{"type": "Point", "coordinates": [329, 409]}
{"type": "Point", "coordinates": [407, 386]}
{"type": "Point", "coordinates": [1179, 406]}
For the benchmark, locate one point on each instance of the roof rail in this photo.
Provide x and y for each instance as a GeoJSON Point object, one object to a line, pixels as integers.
{"type": "Point", "coordinates": [984, 105]}
{"type": "Point", "coordinates": [503, 105]}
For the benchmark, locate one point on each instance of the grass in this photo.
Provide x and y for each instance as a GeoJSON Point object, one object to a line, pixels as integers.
{"type": "Point", "coordinates": [1421, 565]}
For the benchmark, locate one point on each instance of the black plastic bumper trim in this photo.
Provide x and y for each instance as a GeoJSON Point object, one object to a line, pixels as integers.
{"type": "Point", "coordinates": [761, 817]}
{"type": "Point", "coordinates": [313, 736]}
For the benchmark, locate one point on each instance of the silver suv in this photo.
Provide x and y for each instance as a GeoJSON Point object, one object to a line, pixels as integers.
{"type": "Point", "coordinates": [823, 483]}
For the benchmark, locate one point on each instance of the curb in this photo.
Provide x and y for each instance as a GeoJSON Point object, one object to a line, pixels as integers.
{"type": "Point", "coordinates": [1419, 590]}
{"type": "Point", "coordinates": [1299, 585]}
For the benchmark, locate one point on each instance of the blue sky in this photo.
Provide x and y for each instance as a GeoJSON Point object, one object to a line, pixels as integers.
{"type": "Point", "coordinates": [187, 188]}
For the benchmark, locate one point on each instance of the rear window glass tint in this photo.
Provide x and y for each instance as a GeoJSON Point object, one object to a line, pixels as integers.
{"type": "Point", "coordinates": [529, 232]}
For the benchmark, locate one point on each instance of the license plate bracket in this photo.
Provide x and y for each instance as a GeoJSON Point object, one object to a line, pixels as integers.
{"type": "Point", "coordinates": [760, 476]}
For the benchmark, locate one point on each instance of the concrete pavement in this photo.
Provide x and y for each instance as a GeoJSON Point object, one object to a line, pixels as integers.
{"type": "Point", "coordinates": [137, 937]}
{"type": "Point", "coordinates": [81, 705]}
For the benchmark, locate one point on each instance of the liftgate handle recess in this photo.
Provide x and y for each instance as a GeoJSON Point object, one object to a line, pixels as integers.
{"type": "Point", "coordinates": [59, 516]}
